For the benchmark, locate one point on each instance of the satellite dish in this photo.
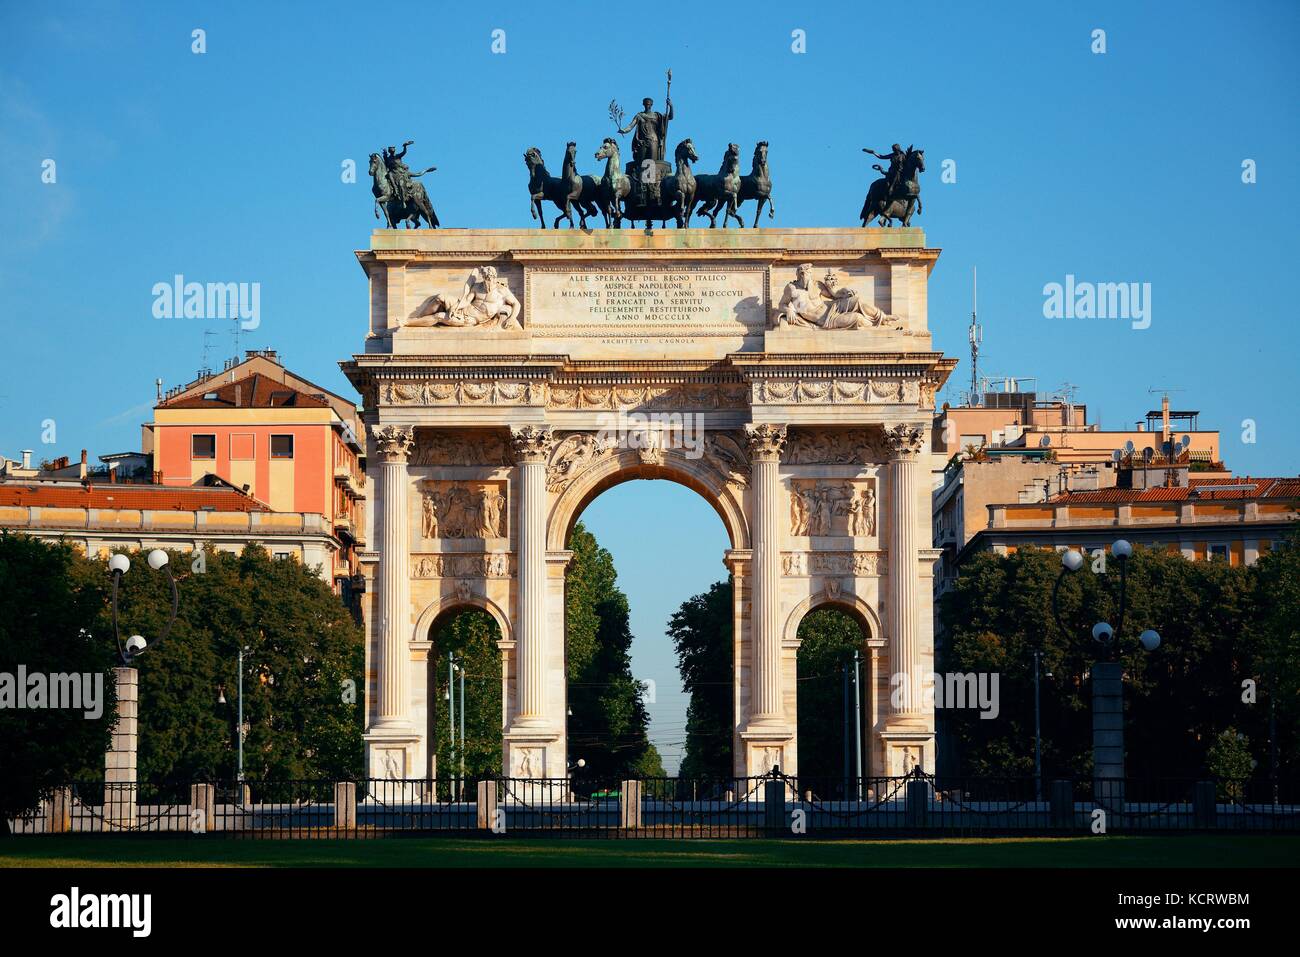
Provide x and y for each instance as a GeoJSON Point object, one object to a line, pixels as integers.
{"type": "Point", "coordinates": [1187, 440]}
{"type": "Point", "coordinates": [1117, 455]}
{"type": "Point", "coordinates": [1167, 448]}
{"type": "Point", "coordinates": [1045, 441]}
{"type": "Point", "coordinates": [1148, 453]}
{"type": "Point", "coordinates": [1128, 446]}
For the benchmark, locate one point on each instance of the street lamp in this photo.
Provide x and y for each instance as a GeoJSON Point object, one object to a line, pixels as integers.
{"type": "Point", "coordinates": [133, 647]}
{"type": "Point", "coordinates": [1107, 672]}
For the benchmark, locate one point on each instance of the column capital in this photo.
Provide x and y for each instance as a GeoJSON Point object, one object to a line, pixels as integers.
{"type": "Point", "coordinates": [904, 440]}
{"type": "Point", "coordinates": [394, 442]}
{"type": "Point", "coordinates": [532, 443]}
{"type": "Point", "coordinates": [766, 441]}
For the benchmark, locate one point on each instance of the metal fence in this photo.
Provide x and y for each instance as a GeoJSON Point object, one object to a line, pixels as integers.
{"type": "Point", "coordinates": [772, 805]}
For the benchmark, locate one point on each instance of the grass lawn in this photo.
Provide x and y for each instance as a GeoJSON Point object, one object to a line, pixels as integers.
{"type": "Point", "coordinates": [1193, 850]}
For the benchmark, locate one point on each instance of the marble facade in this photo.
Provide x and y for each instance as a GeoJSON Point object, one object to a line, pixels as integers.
{"type": "Point", "coordinates": [500, 401]}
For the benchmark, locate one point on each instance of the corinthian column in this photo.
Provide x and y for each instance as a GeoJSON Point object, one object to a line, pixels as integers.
{"type": "Point", "coordinates": [765, 444]}
{"type": "Point", "coordinates": [533, 445]}
{"type": "Point", "coordinates": [393, 443]}
{"type": "Point", "coordinates": [905, 443]}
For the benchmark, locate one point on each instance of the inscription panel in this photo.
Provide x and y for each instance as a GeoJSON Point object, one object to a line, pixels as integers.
{"type": "Point", "coordinates": [664, 303]}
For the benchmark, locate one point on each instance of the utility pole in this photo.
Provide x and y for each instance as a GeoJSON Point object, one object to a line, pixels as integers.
{"type": "Point", "coordinates": [240, 727]}
{"type": "Point", "coordinates": [1038, 738]}
{"type": "Point", "coordinates": [857, 719]}
{"type": "Point", "coordinates": [461, 666]}
{"type": "Point", "coordinates": [845, 712]}
{"type": "Point", "coordinates": [451, 723]}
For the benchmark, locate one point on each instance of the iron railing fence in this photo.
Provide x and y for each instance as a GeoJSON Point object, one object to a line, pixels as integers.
{"type": "Point", "coordinates": [773, 805]}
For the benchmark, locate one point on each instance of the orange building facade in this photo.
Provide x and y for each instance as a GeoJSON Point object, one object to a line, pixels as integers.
{"type": "Point", "coordinates": [285, 442]}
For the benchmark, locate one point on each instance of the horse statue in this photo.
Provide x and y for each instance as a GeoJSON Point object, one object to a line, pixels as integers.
{"type": "Point", "coordinates": [567, 192]}
{"type": "Point", "coordinates": [396, 211]}
{"type": "Point", "coordinates": [884, 206]}
{"type": "Point", "coordinates": [679, 189]}
{"type": "Point", "coordinates": [614, 184]}
{"type": "Point", "coordinates": [716, 191]}
{"type": "Point", "coordinates": [758, 184]}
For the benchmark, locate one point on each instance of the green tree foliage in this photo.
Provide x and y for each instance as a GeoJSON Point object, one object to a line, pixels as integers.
{"type": "Point", "coordinates": [303, 668]}
{"type": "Point", "coordinates": [828, 638]}
{"type": "Point", "coordinates": [701, 631]}
{"type": "Point", "coordinates": [472, 637]}
{"type": "Point", "coordinates": [607, 726]}
{"type": "Point", "coordinates": [1274, 636]}
{"type": "Point", "coordinates": [48, 622]}
{"type": "Point", "coordinates": [1229, 760]}
{"type": "Point", "coordinates": [1216, 624]}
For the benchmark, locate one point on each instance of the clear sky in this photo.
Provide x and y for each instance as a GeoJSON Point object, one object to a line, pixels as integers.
{"type": "Point", "coordinates": [1122, 166]}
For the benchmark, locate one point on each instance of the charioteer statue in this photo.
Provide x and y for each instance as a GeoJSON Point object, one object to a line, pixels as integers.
{"type": "Point", "coordinates": [649, 130]}
{"type": "Point", "coordinates": [898, 191]}
{"type": "Point", "coordinates": [396, 191]}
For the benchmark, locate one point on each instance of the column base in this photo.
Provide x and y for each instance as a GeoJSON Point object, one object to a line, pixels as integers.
{"type": "Point", "coordinates": [768, 745]}
{"type": "Point", "coordinates": [906, 749]}
{"type": "Point", "coordinates": [390, 753]}
{"type": "Point", "coordinates": [533, 751]}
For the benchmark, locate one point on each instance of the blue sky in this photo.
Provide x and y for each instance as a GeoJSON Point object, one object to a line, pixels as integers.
{"type": "Point", "coordinates": [1116, 167]}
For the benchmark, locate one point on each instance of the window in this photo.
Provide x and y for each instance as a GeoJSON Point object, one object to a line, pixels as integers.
{"type": "Point", "coordinates": [282, 446]}
{"type": "Point", "coordinates": [282, 555]}
{"type": "Point", "coordinates": [203, 446]}
{"type": "Point", "coordinates": [1218, 552]}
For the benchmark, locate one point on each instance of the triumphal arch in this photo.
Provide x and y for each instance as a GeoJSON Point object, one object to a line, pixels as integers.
{"type": "Point", "coordinates": [786, 375]}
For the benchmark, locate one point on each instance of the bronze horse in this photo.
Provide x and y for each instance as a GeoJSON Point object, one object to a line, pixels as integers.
{"type": "Point", "coordinates": [676, 192]}
{"type": "Point", "coordinates": [395, 210]}
{"type": "Point", "coordinates": [713, 191]}
{"type": "Point", "coordinates": [567, 192]}
{"type": "Point", "coordinates": [885, 208]}
{"type": "Point", "coordinates": [757, 186]}
{"type": "Point", "coordinates": [614, 184]}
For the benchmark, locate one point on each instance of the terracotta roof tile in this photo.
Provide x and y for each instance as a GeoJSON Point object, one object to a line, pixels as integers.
{"type": "Point", "coordinates": [153, 497]}
{"type": "Point", "coordinates": [255, 391]}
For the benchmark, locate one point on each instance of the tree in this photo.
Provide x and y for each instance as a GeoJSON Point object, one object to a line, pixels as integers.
{"type": "Point", "coordinates": [48, 624]}
{"type": "Point", "coordinates": [701, 631]}
{"type": "Point", "coordinates": [608, 721]}
{"type": "Point", "coordinates": [1177, 698]}
{"type": "Point", "coordinates": [827, 639]}
{"type": "Point", "coordinates": [1273, 637]}
{"type": "Point", "coordinates": [472, 636]}
{"type": "Point", "coordinates": [303, 668]}
{"type": "Point", "coordinates": [1230, 762]}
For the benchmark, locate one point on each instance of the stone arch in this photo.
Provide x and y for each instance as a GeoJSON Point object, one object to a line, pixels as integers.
{"type": "Point", "coordinates": [726, 498]}
{"type": "Point", "coordinates": [866, 616]}
{"type": "Point", "coordinates": [448, 603]}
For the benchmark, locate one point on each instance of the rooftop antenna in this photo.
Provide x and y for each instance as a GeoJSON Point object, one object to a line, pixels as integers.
{"type": "Point", "coordinates": [207, 346]}
{"type": "Point", "coordinates": [236, 332]}
{"type": "Point", "coordinates": [976, 336]}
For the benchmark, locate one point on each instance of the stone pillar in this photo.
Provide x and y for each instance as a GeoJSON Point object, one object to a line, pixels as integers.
{"type": "Point", "coordinates": [120, 759]}
{"type": "Point", "coordinates": [533, 445]}
{"type": "Point", "coordinates": [345, 805]}
{"type": "Point", "coordinates": [765, 445]}
{"type": "Point", "coordinates": [1108, 734]}
{"type": "Point", "coordinates": [905, 442]}
{"type": "Point", "coordinates": [393, 444]}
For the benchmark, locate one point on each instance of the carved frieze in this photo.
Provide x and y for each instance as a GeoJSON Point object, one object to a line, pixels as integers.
{"type": "Point", "coordinates": [462, 510]}
{"type": "Point", "coordinates": [490, 565]}
{"type": "Point", "coordinates": [829, 391]}
{"type": "Point", "coordinates": [460, 447]}
{"type": "Point", "coordinates": [805, 564]}
{"type": "Point", "coordinates": [852, 446]}
{"type": "Point", "coordinates": [702, 396]}
{"type": "Point", "coordinates": [832, 507]}
{"type": "Point", "coordinates": [437, 392]}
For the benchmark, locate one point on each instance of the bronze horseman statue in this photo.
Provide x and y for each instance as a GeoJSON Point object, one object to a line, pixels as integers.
{"type": "Point", "coordinates": [898, 191]}
{"type": "Point", "coordinates": [396, 191]}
